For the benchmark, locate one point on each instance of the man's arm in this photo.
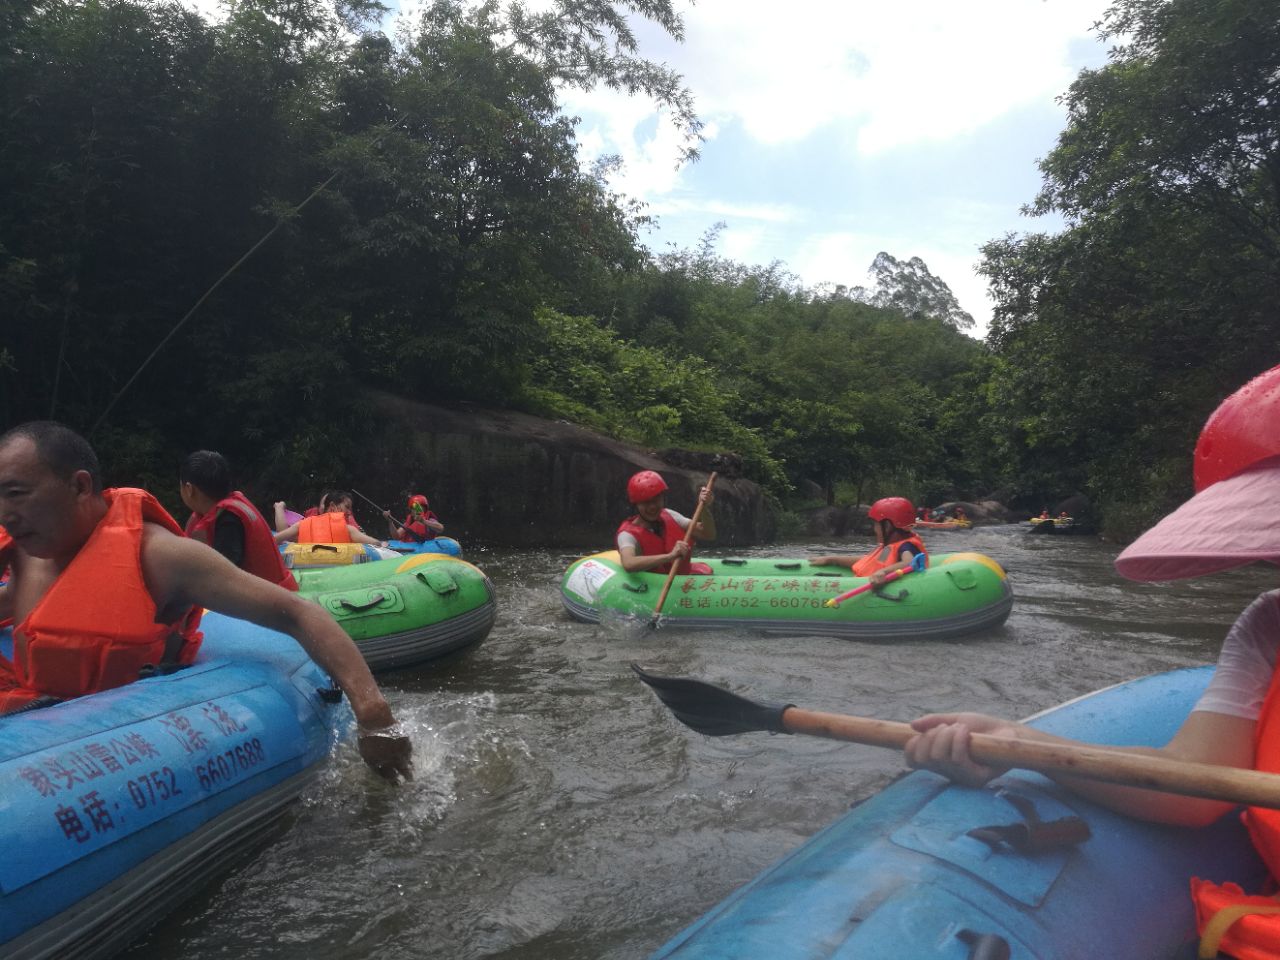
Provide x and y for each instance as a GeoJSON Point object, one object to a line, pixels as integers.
{"type": "Point", "coordinates": [6, 603]}
{"type": "Point", "coordinates": [181, 573]}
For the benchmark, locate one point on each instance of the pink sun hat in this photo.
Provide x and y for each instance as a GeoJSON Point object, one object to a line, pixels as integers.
{"type": "Point", "coordinates": [1219, 528]}
{"type": "Point", "coordinates": [1234, 518]}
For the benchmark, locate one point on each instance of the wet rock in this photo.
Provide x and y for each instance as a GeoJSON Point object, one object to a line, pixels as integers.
{"type": "Point", "coordinates": [514, 479]}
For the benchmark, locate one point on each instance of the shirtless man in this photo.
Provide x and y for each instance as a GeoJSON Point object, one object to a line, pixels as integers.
{"type": "Point", "coordinates": [52, 501]}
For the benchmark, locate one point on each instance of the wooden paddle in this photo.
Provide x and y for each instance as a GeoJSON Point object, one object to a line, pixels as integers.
{"type": "Point", "coordinates": [675, 564]}
{"type": "Point", "coordinates": [382, 510]}
{"type": "Point", "coordinates": [719, 713]}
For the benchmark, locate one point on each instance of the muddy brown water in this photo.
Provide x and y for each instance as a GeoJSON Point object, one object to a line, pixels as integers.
{"type": "Point", "coordinates": [560, 813]}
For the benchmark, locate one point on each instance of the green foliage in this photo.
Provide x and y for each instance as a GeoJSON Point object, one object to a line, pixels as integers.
{"type": "Point", "coordinates": [587, 374]}
{"type": "Point", "coordinates": [1117, 337]}
{"type": "Point", "coordinates": [433, 233]}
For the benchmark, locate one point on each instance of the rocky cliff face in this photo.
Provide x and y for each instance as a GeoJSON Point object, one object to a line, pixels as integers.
{"type": "Point", "coordinates": [509, 478]}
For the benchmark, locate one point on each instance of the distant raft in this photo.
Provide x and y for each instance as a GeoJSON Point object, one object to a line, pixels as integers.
{"type": "Point", "coordinates": [959, 593]}
{"type": "Point", "coordinates": [406, 611]}
{"type": "Point", "coordinates": [955, 523]}
{"type": "Point", "coordinates": [120, 804]}
{"type": "Point", "coordinates": [1051, 525]}
{"type": "Point", "coordinates": [305, 556]}
{"type": "Point", "coordinates": [446, 545]}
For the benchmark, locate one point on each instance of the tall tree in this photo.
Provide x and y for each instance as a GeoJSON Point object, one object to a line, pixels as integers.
{"type": "Point", "coordinates": [1119, 335]}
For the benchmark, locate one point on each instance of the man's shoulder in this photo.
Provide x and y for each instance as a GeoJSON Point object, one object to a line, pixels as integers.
{"type": "Point", "coordinates": [157, 538]}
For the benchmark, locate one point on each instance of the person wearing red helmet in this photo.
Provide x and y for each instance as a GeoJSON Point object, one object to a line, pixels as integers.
{"type": "Point", "coordinates": [1236, 722]}
{"type": "Point", "coordinates": [420, 525]}
{"type": "Point", "coordinates": [896, 545]}
{"type": "Point", "coordinates": [653, 538]}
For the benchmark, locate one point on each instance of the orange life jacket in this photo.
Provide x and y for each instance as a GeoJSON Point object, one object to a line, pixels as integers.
{"type": "Point", "coordinates": [886, 555]}
{"type": "Point", "coordinates": [324, 528]}
{"type": "Point", "coordinates": [651, 545]}
{"type": "Point", "coordinates": [261, 554]}
{"type": "Point", "coordinates": [95, 628]}
{"type": "Point", "coordinates": [1255, 935]}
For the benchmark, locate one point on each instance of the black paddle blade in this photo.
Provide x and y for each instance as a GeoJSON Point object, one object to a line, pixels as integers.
{"type": "Point", "coordinates": [711, 710]}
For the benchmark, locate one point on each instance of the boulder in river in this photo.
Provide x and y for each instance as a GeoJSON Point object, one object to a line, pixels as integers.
{"type": "Point", "coordinates": [514, 479]}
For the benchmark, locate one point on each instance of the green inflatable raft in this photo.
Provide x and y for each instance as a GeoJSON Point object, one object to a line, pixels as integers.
{"type": "Point", "coordinates": [959, 593]}
{"type": "Point", "coordinates": [405, 611]}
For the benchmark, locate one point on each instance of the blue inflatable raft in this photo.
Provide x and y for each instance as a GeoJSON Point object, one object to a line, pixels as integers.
{"type": "Point", "coordinates": [904, 875]}
{"type": "Point", "coordinates": [118, 805]}
{"type": "Point", "coordinates": [446, 545]}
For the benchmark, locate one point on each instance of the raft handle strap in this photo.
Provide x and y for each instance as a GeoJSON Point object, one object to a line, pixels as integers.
{"type": "Point", "coordinates": [377, 599]}
{"type": "Point", "coordinates": [734, 563]}
{"type": "Point", "coordinates": [636, 587]}
{"type": "Point", "coordinates": [331, 693]}
{"type": "Point", "coordinates": [985, 946]}
{"type": "Point", "coordinates": [1033, 835]}
{"type": "Point", "coordinates": [324, 546]}
{"type": "Point", "coordinates": [788, 566]}
{"type": "Point", "coordinates": [895, 597]}
{"type": "Point", "coordinates": [169, 660]}
{"type": "Point", "coordinates": [39, 703]}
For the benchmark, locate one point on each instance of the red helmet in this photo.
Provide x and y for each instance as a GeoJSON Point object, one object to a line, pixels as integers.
{"type": "Point", "coordinates": [645, 485]}
{"type": "Point", "coordinates": [418, 500]}
{"type": "Point", "coordinates": [1244, 430]}
{"type": "Point", "coordinates": [897, 510]}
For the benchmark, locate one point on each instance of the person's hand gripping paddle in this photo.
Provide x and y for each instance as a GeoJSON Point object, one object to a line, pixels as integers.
{"type": "Point", "coordinates": [675, 564]}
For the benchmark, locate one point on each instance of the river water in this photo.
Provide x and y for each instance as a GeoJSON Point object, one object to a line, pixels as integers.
{"type": "Point", "coordinates": [560, 812]}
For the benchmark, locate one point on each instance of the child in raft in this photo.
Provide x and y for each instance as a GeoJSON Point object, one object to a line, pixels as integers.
{"type": "Point", "coordinates": [420, 525]}
{"type": "Point", "coordinates": [653, 537]}
{"type": "Point", "coordinates": [329, 527]}
{"type": "Point", "coordinates": [341, 501]}
{"type": "Point", "coordinates": [896, 545]}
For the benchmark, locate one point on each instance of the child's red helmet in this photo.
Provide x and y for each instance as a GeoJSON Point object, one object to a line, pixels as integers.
{"type": "Point", "coordinates": [645, 485]}
{"type": "Point", "coordinates": [418, 501]}
{"type": "Point", "coordinates": [897, 510]}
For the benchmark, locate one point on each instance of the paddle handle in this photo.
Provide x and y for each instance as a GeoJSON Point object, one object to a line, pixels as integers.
{"type": "Point", "coordinates": [375, 506]}
{"type": "Point", "coordinates": [850, 594]}
{"type": "Point", "coordinates": [688, 538]}
{"type": "Point", "coordinates": [1206, 780]}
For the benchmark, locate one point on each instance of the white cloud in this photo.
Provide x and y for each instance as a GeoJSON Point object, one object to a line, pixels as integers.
{"type": "Point", "coordinates": [895, 74]}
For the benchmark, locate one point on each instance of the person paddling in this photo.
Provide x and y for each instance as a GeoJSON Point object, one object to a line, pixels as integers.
{"type": "Point", "coordinates": [896, 545]}
{"type": "Point", "coordinates": [420, 525]}
{"type": "Point", "coordinates": [226, 520]}
{"type": "Point", "coordinates": [1236, 722]}
{"type": "Point", "coordinates": [653, 538]}
{"type": "Point", "coordinates": [103, 583]}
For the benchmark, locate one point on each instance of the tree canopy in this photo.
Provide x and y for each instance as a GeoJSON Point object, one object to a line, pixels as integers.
{"type": "Point", "coordinates": [431, 228]}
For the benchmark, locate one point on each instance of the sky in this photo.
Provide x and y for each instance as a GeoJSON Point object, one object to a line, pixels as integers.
{"type": "Point", "coordinates": [839, 128]}
{"type": "Point", "coordinates": [835, 129]}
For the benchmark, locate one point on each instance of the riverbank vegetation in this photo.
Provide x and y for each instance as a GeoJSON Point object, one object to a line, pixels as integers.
{"type": "Point", "coordinates": [458, 250]}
